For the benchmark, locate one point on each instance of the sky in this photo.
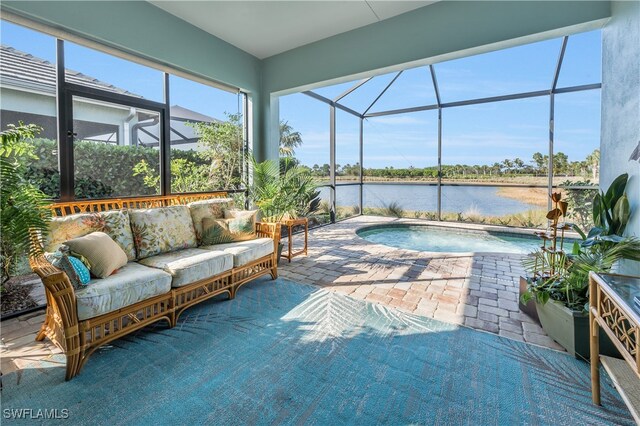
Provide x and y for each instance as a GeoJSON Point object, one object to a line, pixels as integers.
{"type": "Point", "coordinates": [478, 134]}
{"type": "Point", "coordinates": [138, 79]}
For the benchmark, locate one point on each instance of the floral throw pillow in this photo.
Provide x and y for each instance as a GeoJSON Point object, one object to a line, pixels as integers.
{"type": "Point", "coordinates": [161, 230]}
{"type": "Point", "coordinates": [238, 225]}
{"type": "Point", "coordinates": [114, 223]}
{"type": "Point", "coordinates": [213, 208]}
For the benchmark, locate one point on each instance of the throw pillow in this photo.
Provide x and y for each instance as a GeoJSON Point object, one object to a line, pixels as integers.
{"type": "Point", "coordinates": [238, 225]}
{"type": "Point", "coordinates": [215, 231]}
{"type": "Point", "coordinates": [77, 273]}
{"type": "Point", "coordinates": [103, 254]}
{"type": "Point", "coordinates": [213, 208]}
{"type": "Point", "coordinates": [242, 223]}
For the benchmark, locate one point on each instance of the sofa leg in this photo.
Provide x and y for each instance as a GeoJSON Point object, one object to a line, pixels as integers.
{"type": "Point", "coordinates": [43, 330]}
{"type": "Point", "coordinates": [274, 273]}
{"type": "Point", "coordinates": [232, 293]}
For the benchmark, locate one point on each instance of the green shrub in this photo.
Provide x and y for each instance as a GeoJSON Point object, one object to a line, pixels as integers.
{"type": "Point", "coordinates": [101, 170]}
{"type": "Point", "coordinates": [393, 209]}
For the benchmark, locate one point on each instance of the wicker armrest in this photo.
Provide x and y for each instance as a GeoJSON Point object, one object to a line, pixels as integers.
{"type": "Point", "coordinates": [61, 299]}
{"type": "Point", "coordinates": [268, 230]}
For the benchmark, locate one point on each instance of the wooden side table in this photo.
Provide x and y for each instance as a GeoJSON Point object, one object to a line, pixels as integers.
{"type": "Point", "coordinates": [612, 310]}
{"type": "Point", "coordinates": [290, 224]}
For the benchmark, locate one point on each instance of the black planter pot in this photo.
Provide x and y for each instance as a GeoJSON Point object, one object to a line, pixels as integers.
{"type": "Point", "coordinates": [280, 248]}
{"type": "Point", "coordinates": [530, 308]}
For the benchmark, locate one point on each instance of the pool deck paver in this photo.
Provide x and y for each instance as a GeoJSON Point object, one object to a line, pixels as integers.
{"type": "Point", "coordinates": [475, 290]}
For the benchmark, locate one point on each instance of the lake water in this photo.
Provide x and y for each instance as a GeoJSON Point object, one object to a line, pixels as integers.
{"type": "Point", "coordinates": [461, 198]}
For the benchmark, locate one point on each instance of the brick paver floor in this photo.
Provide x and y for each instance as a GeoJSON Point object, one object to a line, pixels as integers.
{"type": "Point", "coordinates": [475, 290]}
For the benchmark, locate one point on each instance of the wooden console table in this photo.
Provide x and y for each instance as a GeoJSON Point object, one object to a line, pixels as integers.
{"type": "Point", "coordinates": [290, 224]}
{"type": "Point", "coordinates": [612, 310]}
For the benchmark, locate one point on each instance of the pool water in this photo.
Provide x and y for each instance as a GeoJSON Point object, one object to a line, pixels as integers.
{"type": "Point", "coordinates": [437, 239]}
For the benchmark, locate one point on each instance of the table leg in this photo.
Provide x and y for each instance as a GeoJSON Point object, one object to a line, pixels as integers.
{"type": "Point", "coordinates": [594, 343]}
{"type": "Point", "coordinates": [306, 236]}
{"type": "Point", "coordinates": [290, 238]}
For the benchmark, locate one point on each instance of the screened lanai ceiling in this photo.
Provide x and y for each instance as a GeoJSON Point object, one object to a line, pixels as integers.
{"type": "Point", "coordinates": [441, 85]}
{"type": "Point", "coordinates": [266, 28]}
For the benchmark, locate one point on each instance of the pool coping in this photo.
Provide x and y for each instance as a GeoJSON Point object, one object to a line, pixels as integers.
{"type": "Point", "coordinates": [452, 225]}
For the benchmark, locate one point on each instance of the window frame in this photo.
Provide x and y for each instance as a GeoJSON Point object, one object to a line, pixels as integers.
{"type": "Point", "coordinates": [65, 91]}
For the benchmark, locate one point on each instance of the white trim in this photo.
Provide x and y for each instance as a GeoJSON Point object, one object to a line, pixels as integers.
{"type": "Point", "coordinates": [67, 36]}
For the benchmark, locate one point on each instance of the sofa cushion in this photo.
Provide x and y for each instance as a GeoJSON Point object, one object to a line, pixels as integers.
{"type": "Point", "coordinates": [114, 223]}
{"type": "Point", "coordinates": [130, 284]}
{"type": "Point", "coordinates": [213, 208]}
{"type": "Point", "coordinates": [162, 230]}
{"type": "Point", "coordinates": [191, 265]}
{"type": "Point", "coordinates": [245, 251]}
{"type": "Point", "coordinates": [103, 254]}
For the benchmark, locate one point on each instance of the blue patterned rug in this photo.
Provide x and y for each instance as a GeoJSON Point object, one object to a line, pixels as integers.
{"type": "Point", "coordinates": [284, 353]}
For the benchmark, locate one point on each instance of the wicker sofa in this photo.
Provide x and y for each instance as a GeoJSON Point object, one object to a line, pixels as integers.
{"type": "Point", "coordinates": [146, 290]}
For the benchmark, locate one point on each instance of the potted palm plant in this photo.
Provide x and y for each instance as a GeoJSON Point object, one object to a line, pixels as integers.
{"type": "Point", "coordinates": [283, 190]}
{"type": "Point", "coordinates": [558, 280]}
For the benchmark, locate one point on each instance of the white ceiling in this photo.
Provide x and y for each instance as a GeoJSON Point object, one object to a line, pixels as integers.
{"type": "Point", "coordinates": [266, 28]}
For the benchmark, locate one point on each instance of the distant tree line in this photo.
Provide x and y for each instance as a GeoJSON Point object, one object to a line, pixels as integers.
{"type": "Point", "coordinates": [537, 166]}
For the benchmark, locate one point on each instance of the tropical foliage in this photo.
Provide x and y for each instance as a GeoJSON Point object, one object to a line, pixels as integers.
{"type": "Point", "coordinates": [218, 165]}
{"type": "Point", "coordinates": [289, 140]}
{"type": "Point", "coordinates": [284, 193]}
{"type": "Point", "coordinates": [21, 203]}
{"type": "Point", "coordinates": [600, 249]}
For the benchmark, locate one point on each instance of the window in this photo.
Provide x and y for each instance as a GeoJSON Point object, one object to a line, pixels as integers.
{"type": "Point", "coordinates": [414, 87]}
{"type": "Point", "coordinates": [207, 142]}
{"type": "Point", "coordinates": [494, 152]}
{"type": "Point", "coordinates": [516, 70]}
{"type": "Point", "coordinates": [99, 70]}
{"type": "Point", "coordinates": [347, 164]}
{"type": "Point", "coordinates": [582, 60]}
{"type": "Point", "coordinates": [110, 157]}
{"type": "Point", "coordinates": [28, 95]}
{"type": "Point", "coordinates": [577, 152]}
{"type": "Point", "coordinates": [304, 136]}
{"type": "Point", "coordinates": [401, 148]}
{"type": "Point", "coordinates": [362, 98]}
{"type": "Point", "coordinates": [114, 140]}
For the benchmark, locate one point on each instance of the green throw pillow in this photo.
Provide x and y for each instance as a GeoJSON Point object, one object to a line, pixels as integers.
{"type": "Point", "coordinates": [238, 225]}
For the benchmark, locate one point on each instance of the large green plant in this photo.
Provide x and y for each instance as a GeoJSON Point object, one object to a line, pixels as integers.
{"type": "Point", "coordinates": [600, 249]}
{"type": "Point", "coordinates": [282, 192]}
{"type": "Point", "coordinates": [22, 205]}
{"type": "Point", "coordinates": [222, 148]}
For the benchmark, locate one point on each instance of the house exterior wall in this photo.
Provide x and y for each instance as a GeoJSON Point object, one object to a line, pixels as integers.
{"type": "Point", "coordinates": [620, 133]}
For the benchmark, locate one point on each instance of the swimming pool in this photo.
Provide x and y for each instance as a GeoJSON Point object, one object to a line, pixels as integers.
{"type": "Point", "coordinates": [441, 239]}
